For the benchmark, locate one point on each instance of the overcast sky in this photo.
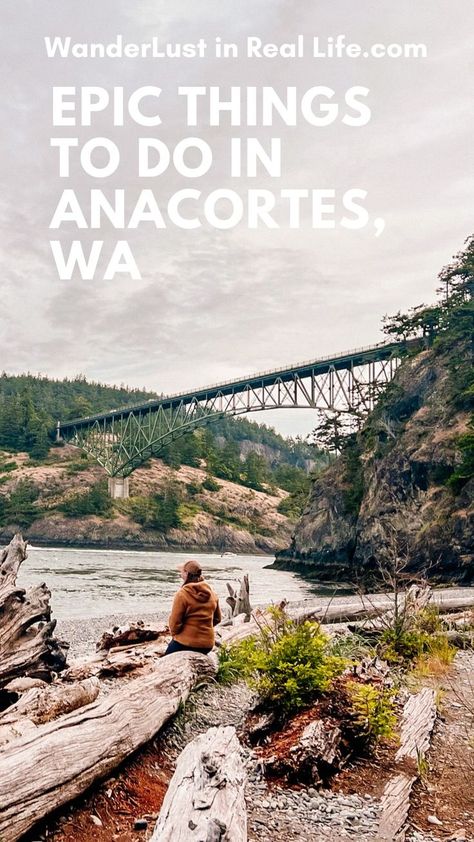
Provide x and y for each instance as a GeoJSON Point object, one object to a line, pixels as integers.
{"type": "Point", "coordinates": [216, 304]}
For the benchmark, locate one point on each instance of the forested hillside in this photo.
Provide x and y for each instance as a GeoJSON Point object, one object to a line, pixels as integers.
{"type": "Point", "coordinates": [57, 494]}
{"type": "Point", "coordinates": [399, 499]}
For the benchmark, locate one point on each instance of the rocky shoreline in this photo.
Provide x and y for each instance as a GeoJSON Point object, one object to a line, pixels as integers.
{"type": "Point", "coordinates": [275, 813]}
{"type": "Point", "coordinates": [146, 544]}
{"type": "Point", "coordinates": [389, 494]}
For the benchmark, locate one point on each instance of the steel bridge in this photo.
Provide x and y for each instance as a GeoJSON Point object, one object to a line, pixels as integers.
{"type": "Point", "coordinates": [124, 438]}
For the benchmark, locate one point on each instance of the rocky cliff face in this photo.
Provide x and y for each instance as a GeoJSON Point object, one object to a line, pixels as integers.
{"type": "Point", "coordinates": [388, 498]}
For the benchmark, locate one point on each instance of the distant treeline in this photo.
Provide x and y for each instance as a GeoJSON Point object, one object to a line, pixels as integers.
{"type": "Point", "coordinates": [31, 405]}
{"type": "Point", "coordinates": [231, 449]}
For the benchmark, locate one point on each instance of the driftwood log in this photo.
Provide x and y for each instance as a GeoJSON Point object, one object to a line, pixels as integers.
{"type": "Point", "coordinates": [239, 602]}
{"type": "Point", "coordinates": [113, 663]}
{"type": "Point", "coordinates": [418, 719]}
{"type": "Point", "coordinates": [205, 799]}
{"type": "Point", "coordinates": [27, 644]}
{"type": "Point", "coordinates": [314, 757]}
{"type": "Point", "coordinates": [365, 608]}
{"type": "Point", "coordinates": [335, 615]}
{"type": "Point", "coordinates": [64, 757]}
{"type": "Point", "coordinates": [135, 633]}
{"type": "Point", "coordinates": [42, 704]}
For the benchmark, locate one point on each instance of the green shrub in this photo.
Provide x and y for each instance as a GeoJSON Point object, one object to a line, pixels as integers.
{"type": "Point", "coordinates": [75, 466]}
{"type": "Point", "coordinates": [193, 488]}
{"type": "Point", "coordinates": [96, 501]}
{"type": "Point", "coordinates": [293, 505]}
{"type": "Point", "coordinates": [289, 665]}
{"type": "Point", "coordinates": [20, 506]}
{"type": "Point", "coordinates": [465, 470]}
{"type": "Point", "coordinates": [210, 484]}
{"type": "Point", "coordinates": [425, 639]}
{"type": "Point", "coordinates": [373, 709]}
{"type": "Point", "coordinates": [436, 657]}
{"type": "Point", "coordinates": [186, 513]}
{"type": "Point", "coordinates": [298, 668]}
{"type": "Point", "coordinates": [399, 647]}
{"type": "Point", "coordinates": [7, 467]}
{"type": "Point", "coordinates": [234, 661]}
{"type": "Point", "coordinates": [428, 620]}
{"type": "Point", "coordinates": [159, 511]}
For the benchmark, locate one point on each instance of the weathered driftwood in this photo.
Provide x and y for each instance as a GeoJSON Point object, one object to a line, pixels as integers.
{"type": "Point", "coordinates": [419, 715]}
{"type": "Point", "coordinates": [116, 662]}
{"type": "Point", "coordinates": [418, 719]}
{"type": "Point", "coordinates": [337, 617]}
{"type": "Point", "coordinates": [395, 805]}
{"type": "Point", "coordinates": [21, 685]}
{"type": "Point", "coordinates": [205, 799]}
{"type": "Point", "coordinates": [407, 609]}
{"type": "Point", "coordinates": [461, 639]}
{"type": "Point", "coordinates": [27, 644]}
{"type": "Point", "coordinates": [65, 756]}
{"type": "Point", "coordinates": [239, 603]}
{"type": "Point", "coordinates": [42, 704]}
{"type": "Point", "coordinates": [326, 614]}
{"type": "Point", "coordinates": [357, 608]}
{"type": "Point", "coordinates": [135, 633]}
{"type": "Point", "coordinates": [313, 758]}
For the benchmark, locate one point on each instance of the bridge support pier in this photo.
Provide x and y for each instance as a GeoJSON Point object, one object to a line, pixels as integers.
{"type": "Point", "coordinates": [119, 487]}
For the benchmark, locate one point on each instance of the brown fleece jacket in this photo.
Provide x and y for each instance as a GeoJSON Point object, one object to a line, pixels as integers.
{"type": "Point", "coordinates": [194, 614]}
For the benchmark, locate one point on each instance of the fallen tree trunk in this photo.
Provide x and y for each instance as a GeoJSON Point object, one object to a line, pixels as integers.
{"type": "Point", "coordinates": [314, 757]}
{"type": "Point", "coordinates": [205, 800]}
{"type": "Point", "coordinates": [376, 605]}
{"type": "Point", "coordinates": [65, 757]}
{"type": "Point", "coordinates": [42, 704]}
{"type": "Point", "coordinates": [337, 615]}
{"type": "Point", "coordinates": [27, 644]}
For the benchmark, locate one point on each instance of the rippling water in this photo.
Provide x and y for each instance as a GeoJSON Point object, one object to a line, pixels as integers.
{"type": "Point", "coordinates": [94, 583]}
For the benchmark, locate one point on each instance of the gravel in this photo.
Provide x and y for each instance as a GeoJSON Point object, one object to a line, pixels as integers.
{"type": "Point", "coordinates": [275, 814]}
{"type": "Point", "coordinates": [83, 634]}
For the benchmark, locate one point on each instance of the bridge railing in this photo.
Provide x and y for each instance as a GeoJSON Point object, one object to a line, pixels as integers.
{"type": "Point", "coordinates": [304, 364]}
{"type": "Point", "coordinates": [235, 380]}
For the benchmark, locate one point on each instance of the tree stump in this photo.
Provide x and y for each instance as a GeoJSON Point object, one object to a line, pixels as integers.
{"type": "Point", "coordinates": [313, 758]}
{"type": "Point", "coordinates": [239, 603]}
{"type": "Point", "coordinates": [27, 644]}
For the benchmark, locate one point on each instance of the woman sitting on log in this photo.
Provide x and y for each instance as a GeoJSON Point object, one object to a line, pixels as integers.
{"type": "Point", "coordinates": [194, 614]}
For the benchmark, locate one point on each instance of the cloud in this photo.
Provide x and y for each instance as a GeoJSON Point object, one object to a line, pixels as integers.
{"type": "Point", "coordinates": [213, 304]}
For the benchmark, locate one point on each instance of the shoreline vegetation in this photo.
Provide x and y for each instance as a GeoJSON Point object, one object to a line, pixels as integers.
{"type": "Point", "coordinates": [236, 489]}
{"type": "Point", "coordinates": [327, 715]}
{"type": "Point", "coordinates": [328, 703]}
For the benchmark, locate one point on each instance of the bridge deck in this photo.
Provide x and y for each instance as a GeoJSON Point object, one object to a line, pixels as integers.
{"type": "Point", "coordinates": [321, 365]}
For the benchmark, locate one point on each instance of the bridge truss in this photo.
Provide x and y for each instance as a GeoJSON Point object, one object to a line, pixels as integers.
{"type": "Point", "coordinates": [122, 439]}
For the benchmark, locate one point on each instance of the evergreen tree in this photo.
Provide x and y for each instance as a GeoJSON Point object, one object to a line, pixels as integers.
{"type": "Point", "coordinates": [254, 471]}
{"type": "Point", "coordinates": [19, 507]}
